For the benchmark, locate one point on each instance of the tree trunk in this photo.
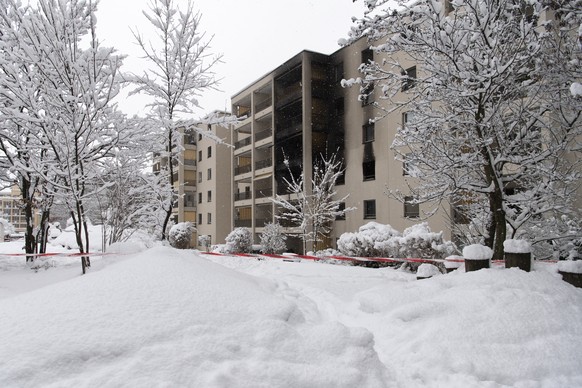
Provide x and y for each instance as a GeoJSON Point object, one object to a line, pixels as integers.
{"type": "Point", "coordinates": [29, 240]}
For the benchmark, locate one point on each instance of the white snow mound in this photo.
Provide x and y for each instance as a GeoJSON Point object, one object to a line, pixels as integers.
{"type": "Point", "coordinates": [172, 318]}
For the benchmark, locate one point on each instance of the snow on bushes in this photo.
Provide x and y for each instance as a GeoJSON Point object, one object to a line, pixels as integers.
{"type": "Point", "coordinates": [371, 239]}
{"type": "Point", "coordinates": [273, 239]}
{"type": "Point", "coordinates": [180, 235]}
{"type": "Point", "coordinates": [374, 239]}
{"type": "Point", "coordinates": [240, 240]}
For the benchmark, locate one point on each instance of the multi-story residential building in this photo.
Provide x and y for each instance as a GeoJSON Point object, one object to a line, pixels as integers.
{"type": "Point", "coordinates": [203, 182]}
{"type": "Point", "coordinates": [12, 211]}
{"type": "Point", "coordinates": [300, 111]}
{"type": "Point", "coordinates": [214, 183]}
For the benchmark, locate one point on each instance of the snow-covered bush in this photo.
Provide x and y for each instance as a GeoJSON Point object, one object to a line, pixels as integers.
{"type": "Point", "coordinates": [180, 235]}
{"type": "Point", "coordinates": [273, 239]}
{"type": "Point", "coordinates": [371, 239]}
{"type": "Point", "coordinates": [7, 227]}
{"type": "Point", "coordinates": [240, 240]}
{"type": "Point", "coordinates": [426, 270]}
{"type": "Point", "coordinates": [204, 241]}
{"type": "Point", "coordinates": [420, 242]}
{"type": "Point", "coordinates": [374, 239]}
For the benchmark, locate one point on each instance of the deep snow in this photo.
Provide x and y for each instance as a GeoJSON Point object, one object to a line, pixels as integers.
{"type": "Point", "coordinates": [165, 317]}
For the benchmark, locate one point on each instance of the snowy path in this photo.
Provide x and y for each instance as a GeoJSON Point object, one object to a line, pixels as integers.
{"type": "Point", "coordinates": [488, 329]}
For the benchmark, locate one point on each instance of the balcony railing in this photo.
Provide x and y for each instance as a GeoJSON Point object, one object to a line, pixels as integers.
{"type": "Point", "coordinates": [242, 196]}
{"type": "Point", "coordinates": [263, 164]}
{"type": "Point", "coordinates": [243, 223]}
{"type": "Point", "coordinates": [260, 222]}
{"type": "Point", "coordinates": [242, 169]}
{"type": "Point", "coordinates": [263, 134]}
{"type": "Point", "coordinates": [189, 162]}
{"type": "Point", "coordinates": [264, 193]}
{"type": "Point", "coordinates": [263, 104]}
{"type": "Point", "coordinates": [242, 143]}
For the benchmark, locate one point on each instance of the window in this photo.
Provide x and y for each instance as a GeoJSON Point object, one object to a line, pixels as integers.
{"type": "Point", "coordinates": [408, 78]}
{"type": "Point", "coordinates": [199, 156]}
{"type": "Point", "coordinates": [411, 209]}
{"type": "Point", "coordinates": [199, 218]}
{"type": "Point", "coordinates": [369, 170]}
{"type": "Point", "coordinates": [341, 208]}
{"type": "Point", "coordinates": [209, 198]}
{"type": "Point", "coordinates": [370, 209]}
{"type": "Point", "coordinates": [209, 174]}
{"type": "Point", "coordinates": [199, 176]}
{"type": "Point", "coordinates": [199, 136]}
{"type": "Point", "coordinates": [209, 151]}
{"type": "Point", "coordinates": [189, 199]}
{"type": "Point", "coordinates": [209, 218]}
{"type": "Point", "coordinates": [338, 107]}
{"type": "Point", "coordinates": [367, 132]}
{"type": "Point", "coordinates": [199, 197]}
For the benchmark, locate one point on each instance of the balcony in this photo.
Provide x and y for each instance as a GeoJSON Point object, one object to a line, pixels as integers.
{"type": "Point", "coordinates": [264, 193]}
{"type": "Point", "coordinates": [261, 222]}
{"type": "Point", "coordinates": [243, 223]}
{"type": "Point", "coordinates": [242, 169]}
{"type": "Point", "coordinates": [242, 196]}
{"type": "Point", "coordinates": [263, 134]}
{"type": "Point", "coordinates": [263, 164]}
{"type": "Point", "coordinates": [267, 102]}
{"type": "Point", "coordinates": [243, 143]}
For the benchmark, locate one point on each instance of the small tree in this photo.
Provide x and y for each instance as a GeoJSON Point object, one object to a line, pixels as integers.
{"type": "Point", "coordinates": [240, 240]}
{"type": "Point", "coordinates": [180, 235]}
{"type": "Point", "coordinates": [181, 71]}
{"type": "Point", "coordinates": [273, 239]}
{"type": "Point", "coordinates": [313, 208]}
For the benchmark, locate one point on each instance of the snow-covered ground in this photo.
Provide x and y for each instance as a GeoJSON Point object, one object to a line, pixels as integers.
{"type": "Point", "coordinates": [168, 318]}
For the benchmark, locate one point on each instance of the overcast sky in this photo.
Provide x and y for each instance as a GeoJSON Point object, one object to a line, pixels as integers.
{"type": "Point", "coordinates": [254, 36]}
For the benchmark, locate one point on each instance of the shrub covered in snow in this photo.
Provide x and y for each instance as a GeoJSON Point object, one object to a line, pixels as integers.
{"type": "Point", "coordinates": [273, 239]}
{"type": "Point", "coordinates": [374, 239]}
{"type": "Point", "coordinates": [371, 239]}
{"type": "Point", "coordinates": [420, 242]}
{"type": "Point", "coordinates": [7, 228]}
{"type": "Point", "coordinates": [240, 240]}
{"type": "Point", "coordinates": [180, 235]}
{"type": "Point", "coordinates": [204, 241]}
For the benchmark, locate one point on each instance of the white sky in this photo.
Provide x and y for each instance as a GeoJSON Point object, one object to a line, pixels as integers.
{"type": "Point", "coordinates": [254, 36]}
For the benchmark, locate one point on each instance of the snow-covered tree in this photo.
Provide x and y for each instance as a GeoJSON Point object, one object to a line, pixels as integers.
{"type": "Point", "coordinates": [180, 70]}
{"type": "Point", "coordinates": [273, 239]}
{"type": "Point", "coordinates": [204, 241]}
{"type": "Point", "coordinates": [240, 240]}
{"type": "Point", "coordinates": [180, 235]}
{"type": "Point", "coordinates": [313, 208]}
{"type": "Point", "coordinates": [64, 94]}
{"type": "Point", "coordinates": [7, 228]}
{"type": "Point", "coordinates": [21, 151]}
{"type": "Point", "coordinates": [492, 126]}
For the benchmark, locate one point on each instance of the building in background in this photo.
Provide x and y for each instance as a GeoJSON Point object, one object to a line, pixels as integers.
{"type": "Point", "coordinates": [12, 211]}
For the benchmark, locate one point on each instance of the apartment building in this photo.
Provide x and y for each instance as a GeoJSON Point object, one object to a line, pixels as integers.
{"type": "Point", "coordinates": [12, 211]}
{"type": "Point", "coordinates": [213, 199]}
{"type": "Point", "coordinates": [300, 111]}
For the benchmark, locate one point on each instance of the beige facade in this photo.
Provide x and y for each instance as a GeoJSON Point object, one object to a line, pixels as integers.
{"type": "Point", "coordinates": [12, 211]}
{"type": "Point", "coordinates": [213, 199]}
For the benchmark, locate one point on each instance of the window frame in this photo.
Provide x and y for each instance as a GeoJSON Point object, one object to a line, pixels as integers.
{"type": "Point", "coordinates": [367, 205]}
